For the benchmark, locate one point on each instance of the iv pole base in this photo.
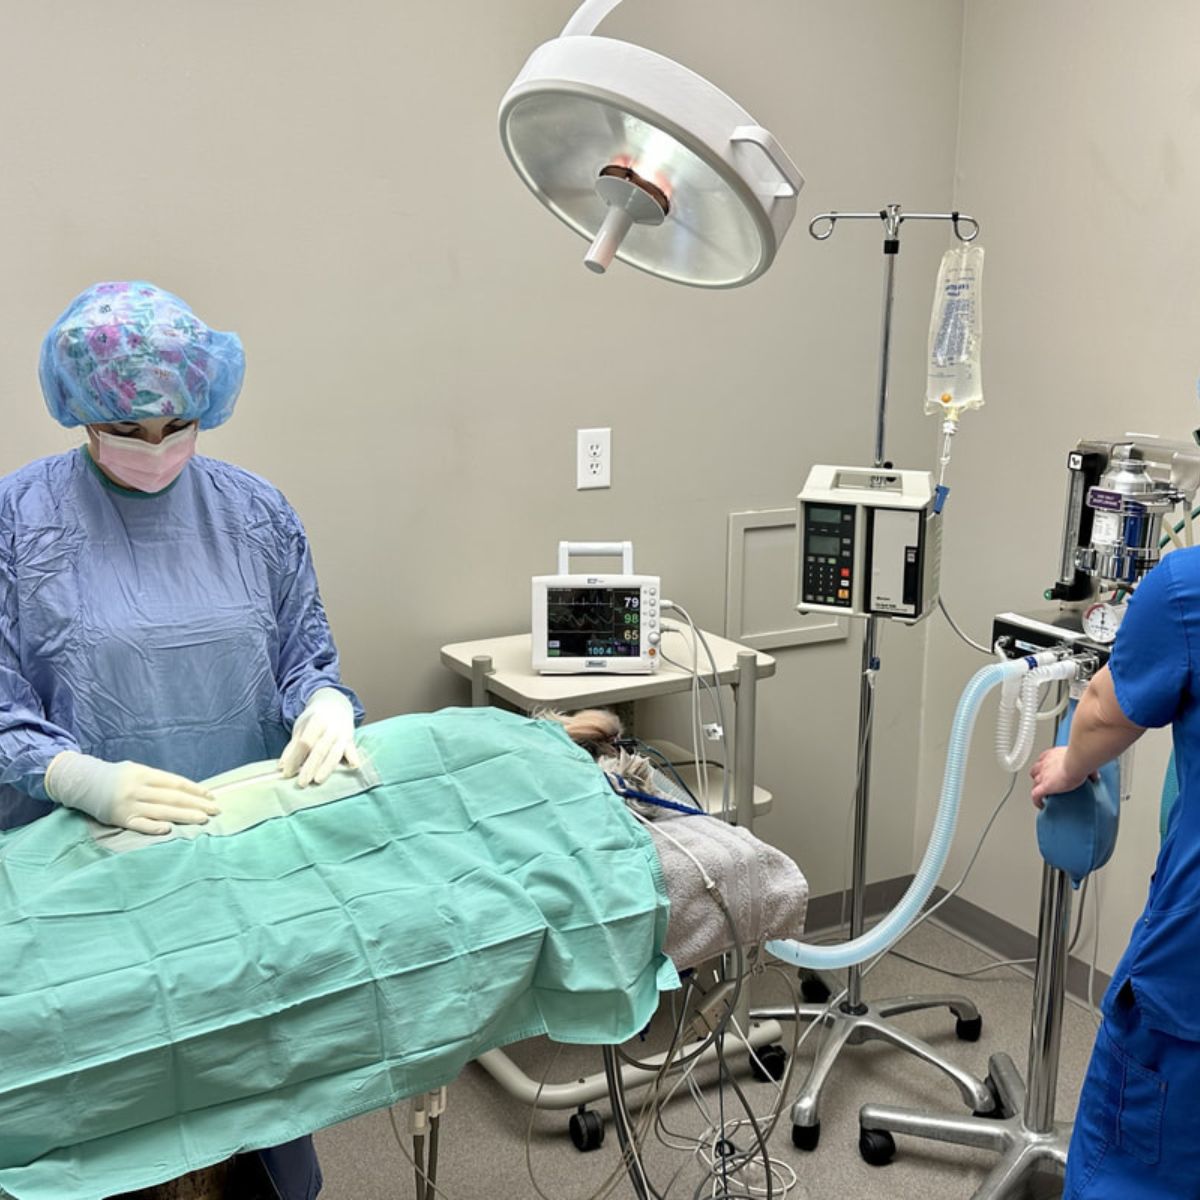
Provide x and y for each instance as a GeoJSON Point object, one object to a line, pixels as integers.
{"type": "Point", "coordinates": [1023, 1152]}
{"type": "Point", "coordinates": [847, 1025]}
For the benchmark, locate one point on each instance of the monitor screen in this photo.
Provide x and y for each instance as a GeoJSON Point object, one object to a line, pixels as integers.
{"type": "Point", "coordinates": [592, 622]}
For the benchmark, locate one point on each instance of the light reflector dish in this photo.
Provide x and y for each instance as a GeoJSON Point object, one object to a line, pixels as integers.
{"type": "Point", "coordinates": [585, 104]}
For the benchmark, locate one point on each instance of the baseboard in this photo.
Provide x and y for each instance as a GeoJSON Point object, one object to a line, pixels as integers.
{"type": "Point", "coordinates": [999, 937]}
{"type": "Point", "coordinates": [989, 932]}
{"type": "Point", "coordinates": [826, 913]}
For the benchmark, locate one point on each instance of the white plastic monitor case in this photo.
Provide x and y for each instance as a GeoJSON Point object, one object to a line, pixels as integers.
{"type": "Point", "coordinates": [596, 624]}
{"type": "Point", "coordinates": [869, 543]}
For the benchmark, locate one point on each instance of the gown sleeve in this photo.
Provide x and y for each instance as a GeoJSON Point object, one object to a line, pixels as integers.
{"type": "Point", "coordinates": [308, 659]}
{"type": "Point", "coordinates": [28, 741]}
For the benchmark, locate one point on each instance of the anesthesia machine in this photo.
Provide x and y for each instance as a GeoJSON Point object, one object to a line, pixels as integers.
{"type": "Point", "coordinates": [1121, 499]}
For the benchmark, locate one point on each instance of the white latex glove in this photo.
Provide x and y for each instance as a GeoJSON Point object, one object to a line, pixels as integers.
{"type": "Point", "coordinates": [128, 795]}
{"type": "Point", "coordinates": [322, 739]}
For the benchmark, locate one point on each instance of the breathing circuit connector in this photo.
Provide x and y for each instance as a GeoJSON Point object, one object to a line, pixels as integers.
{"type": "Point", "coordinates": [1020, 700]}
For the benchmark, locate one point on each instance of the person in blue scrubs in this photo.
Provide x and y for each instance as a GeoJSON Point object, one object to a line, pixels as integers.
{"type": "Point", "coordinates": [1135, 1128]}
{"type": "Point", "coordinates": [159, 614]}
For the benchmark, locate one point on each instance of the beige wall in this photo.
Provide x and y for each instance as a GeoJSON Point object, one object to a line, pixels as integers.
{"type": "Point", "coordinates": [423, 341]}
{"type": "Point", "coordinates": [1078, 151]}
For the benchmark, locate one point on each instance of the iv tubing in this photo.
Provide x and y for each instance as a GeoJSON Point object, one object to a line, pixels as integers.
{"type": "Point", "coordinates": [878, 939]}
{"type": "Point", "coordinates": [949, 429]}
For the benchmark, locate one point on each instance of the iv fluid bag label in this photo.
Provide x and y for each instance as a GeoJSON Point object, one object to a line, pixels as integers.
{"type": "Point", "coordinates": [954, 380]}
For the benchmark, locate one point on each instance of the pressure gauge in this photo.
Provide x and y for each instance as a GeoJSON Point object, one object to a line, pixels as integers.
{"type": "Point", "coordinates": [1102, 620]}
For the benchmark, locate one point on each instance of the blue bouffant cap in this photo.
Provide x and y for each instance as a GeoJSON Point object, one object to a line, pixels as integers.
{"type": "Point", "coordinates": [129, 351]}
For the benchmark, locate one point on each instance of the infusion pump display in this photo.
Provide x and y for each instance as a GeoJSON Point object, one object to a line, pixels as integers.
{"type": "Point", "coordinates": [595, 623]}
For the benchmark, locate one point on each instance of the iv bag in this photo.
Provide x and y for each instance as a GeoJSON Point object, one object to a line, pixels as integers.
{"type": "Point", "coordinates": [955, 380]}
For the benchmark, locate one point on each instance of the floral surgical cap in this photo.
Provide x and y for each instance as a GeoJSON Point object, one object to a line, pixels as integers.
{"type": "Point", "coordinates": [130, 351]}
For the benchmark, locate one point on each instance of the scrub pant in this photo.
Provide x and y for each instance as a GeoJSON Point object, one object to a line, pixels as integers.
{"type": "Point", "coordinates": [287, 1172]}
{"type": "Point", "coordinates": [1136, 1130]}
{"type": "Point", "coordinates": [293, 1169]}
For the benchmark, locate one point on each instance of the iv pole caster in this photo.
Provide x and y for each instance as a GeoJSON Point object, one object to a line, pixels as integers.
{"type": "Point", "coordinates": [806, 1137]}
{"type": "Point", "coordinates": [968, 1029]}
{"type": "Point", "coordinates": [877, 1147]}
{"type": "Point", "coordinates": [814, 989]}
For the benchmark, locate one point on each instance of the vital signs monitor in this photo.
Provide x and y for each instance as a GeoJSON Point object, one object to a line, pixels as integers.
{"type": "Point", "coordinates": [584, 624]}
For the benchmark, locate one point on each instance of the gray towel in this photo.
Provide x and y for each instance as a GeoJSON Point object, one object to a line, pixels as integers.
{"type": "Point", "coordinates": [765, 892]}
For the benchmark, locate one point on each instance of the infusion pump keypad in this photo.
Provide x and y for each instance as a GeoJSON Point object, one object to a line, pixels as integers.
{"type": "Point", "coordinates": [829, 554]}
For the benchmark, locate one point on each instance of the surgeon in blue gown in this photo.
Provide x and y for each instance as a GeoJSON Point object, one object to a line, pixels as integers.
{"type": "Point", "coordinates": [159, 614]}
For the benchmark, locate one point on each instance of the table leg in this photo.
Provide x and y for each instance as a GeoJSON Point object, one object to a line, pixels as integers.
{"type": "Point", "coordinates": [744, 697]}
{"type": "Point", "coordinates": [481, 668]}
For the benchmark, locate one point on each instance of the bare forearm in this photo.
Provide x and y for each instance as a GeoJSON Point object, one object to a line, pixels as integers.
{"type": "Point", "coordinates": [1100, 732]}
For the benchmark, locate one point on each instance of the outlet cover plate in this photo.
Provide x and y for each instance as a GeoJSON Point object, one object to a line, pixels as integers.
{"type": "Point", "coordinates": [593, 458]}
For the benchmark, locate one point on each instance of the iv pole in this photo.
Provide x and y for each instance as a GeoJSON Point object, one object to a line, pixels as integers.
{"type": "Point", "coordinates": [851, 1020]}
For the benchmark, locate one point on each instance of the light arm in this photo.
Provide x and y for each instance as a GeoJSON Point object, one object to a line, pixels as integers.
{"type": "Point", "coordinates": [587, 16]}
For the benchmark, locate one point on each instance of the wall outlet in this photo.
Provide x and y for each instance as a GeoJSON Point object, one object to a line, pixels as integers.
{"type": "Point", "coordinates": [593, 458]}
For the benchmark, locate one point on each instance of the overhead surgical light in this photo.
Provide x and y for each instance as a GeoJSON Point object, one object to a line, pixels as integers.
{"type": "Point", "coordinates": [646, 160]}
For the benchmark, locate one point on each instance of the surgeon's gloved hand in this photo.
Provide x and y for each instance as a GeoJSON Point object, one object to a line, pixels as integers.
{"type": "Point", "coordinates": [322, 738]}
{"type": "Point", "coordinates": [128, 795]}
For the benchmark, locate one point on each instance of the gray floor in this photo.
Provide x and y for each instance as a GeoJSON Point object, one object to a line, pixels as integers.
{"type": "Point", "coordinates": [484, 1133]}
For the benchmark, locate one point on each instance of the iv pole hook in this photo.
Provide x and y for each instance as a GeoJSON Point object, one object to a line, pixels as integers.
{"type": "Point", "coordinates": [821, 227]}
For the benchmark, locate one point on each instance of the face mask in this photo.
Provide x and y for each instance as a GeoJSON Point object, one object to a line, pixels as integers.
{"type": "Point", "coordinates": [142, 465]}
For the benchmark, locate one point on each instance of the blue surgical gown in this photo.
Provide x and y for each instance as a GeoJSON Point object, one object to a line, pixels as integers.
{"type": "Point", "coordinates": [183, 629]}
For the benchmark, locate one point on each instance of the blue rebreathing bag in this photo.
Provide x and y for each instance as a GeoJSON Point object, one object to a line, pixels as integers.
{"type": "Point", "coordinates": [1077, 831]}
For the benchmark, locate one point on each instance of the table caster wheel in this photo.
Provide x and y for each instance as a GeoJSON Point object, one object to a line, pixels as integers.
{"type": "Point", "coordinates": [968, 1031]}
{"type": "Point", "coordinates": [587, 1130]}
{"type": "Point", "coordinates": [769, 1065]}
{"type": "Point", "coordinates": [876, 1146]}
{"type": "Point", "coordinates": [806, 1137]}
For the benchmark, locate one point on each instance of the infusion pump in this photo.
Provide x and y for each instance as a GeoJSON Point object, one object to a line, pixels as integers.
{"type": "Point", "coordinates": [596, 624]}
{"type": "Point", "coordinates": [870, 543]}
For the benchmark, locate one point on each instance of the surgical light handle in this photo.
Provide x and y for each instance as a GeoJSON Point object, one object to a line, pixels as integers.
{"type": "Point", "coordinates": [569, 550]}
{"type": "Point", "coordinates": [791, 181]}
